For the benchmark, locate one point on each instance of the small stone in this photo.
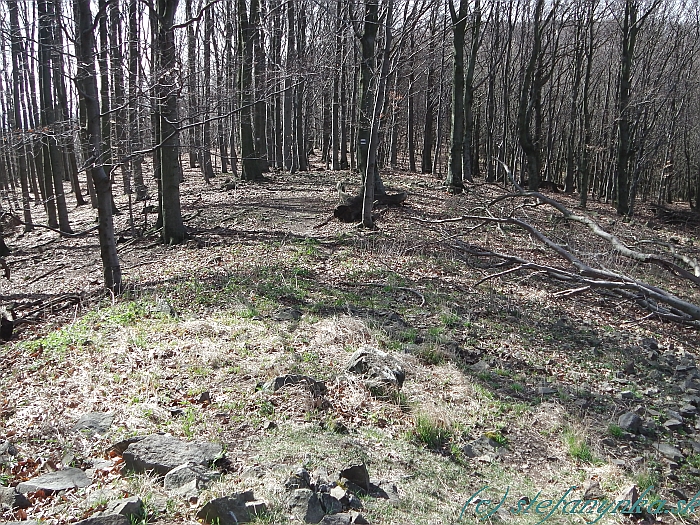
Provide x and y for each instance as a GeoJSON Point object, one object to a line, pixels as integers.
{"type": "Point", "coordinates": [273, 385]}
{"type": "Point", "coordinates": [358, 475]}
{"type": "Point", "coordinates": [162, 453]}
{"type": "Point", "coordinates": [237, 508]}
{"type": "Point", "coordinates": [380, 369]}
{"type": "Point", "coordinates": [609, 442]}
{"type": "Point", "coordinates": [330, 504]}
{"type": "Point", "coordinates": [468, 451]}
{"type": "Point", "coordinates": [386, 490]}
{"type": "Point", "coordinates": [186, 474]}
{"type": "Point", "coordinates": [668, 451]}
{"type": "Point", "coordinates": [626, 394]}
{"type": "Point", "coordinates": [695, 446]}
{"type": "Point", "coordinates": [546, 391]}
{"type": "Point", "coordinates": [305, 505]}
{"type": "Point", "coordinates": [94, 423]}
{"type": "Point", "coordinates": [65, 479]}
{"type": "Point", "coordinates": [630, 495]}
{"type": "Point", "coordinates": [630, 368]}
{"type": "Point", "coordinates": [301, 479]}
{"type": "Point", "coordinates": [688, 410]}
{"type": "Point", "coordinates": [673, 424]}
{"type": "Point", "coordinates": [649, 343]}
{"type": "Point", "coordinates": [480, 367]}
{"type": "Point", "coordinates": [619, 463]}
{"type": "Point", "coordinates": [11, 499]}
{"type": "Point", "coordinates": [592, 490]}
{"type": "Point", "coordinates": [630, 422]}
{"type": "Point", "coordinates": [286, 314]}
{"type": "Point", "coordinates": [672, 414]}
{"type": "Point", "coordinates": [129, 507]}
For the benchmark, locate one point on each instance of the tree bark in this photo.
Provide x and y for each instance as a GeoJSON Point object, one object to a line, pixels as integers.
{"type": "Point", "coordinates": [87, 82]}
{"type": "Point", "coordinates": [168, 141]}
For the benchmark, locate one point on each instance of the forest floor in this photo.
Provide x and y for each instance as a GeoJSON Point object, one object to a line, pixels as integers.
{"type": "Point", "coordinates": [528, 380]}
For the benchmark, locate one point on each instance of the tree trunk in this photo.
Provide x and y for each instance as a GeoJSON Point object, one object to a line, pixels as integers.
{"type": "Point", "coordinates": [53, 158]}
{"type": "Point", "coordinates": [251, 165]}
{"type": "Point", "coordinates": [380, 99]}
{"type": "Point", "coordinates": [428, 140]}
{"type": "Point", "coordinates": [260, 108]}
{"type": "Point", "coordinates": [624, 145]}
{"type": "Point", "coordinates": [192, 106]}
{"type": "Point", "coordinates": [16, 45]}
{"type": "Point", "coordinates": [168, 142]}
{"type": "Point", "coordinates": [459, 23]}
{"type": "Point", "coordinates": [88, 91]}
{"type": "Point", "coordinates": [207, 168]}
{"type": "Point", "coordinates": [134, 135]}
{"type": "Point", "coordinates": [290, 162]}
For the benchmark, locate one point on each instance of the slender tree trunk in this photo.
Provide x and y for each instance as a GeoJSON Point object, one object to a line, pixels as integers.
{"type": "Point", "coordinates": [88, 83]}
{"type": "Point", "coordinates": [459, 23]}
{"type": "Point", "coordinates": [300, 91]}
{"type": "Point", "coordinates": [53, 158]}
{"type": "Point", "coordinates": [337, 79]}
{"type": "Point", "coordinates": [428, 139]}
{"type": "Point", "coordinates": [260, 108]}
{"type": "Point", "coordinates": [379, 102]}
{"type": "Point", "coordinates": [134, 134]}
{"type": "Point", "coordinates": [624, 145]}
{"type": "Point", "coordinates": [167, 136]}
{"type": "Point", "coordinates": [290, 163]}
{"type": "Point", "coordinates": [251, 165]}
{"type": "Point", "coordinates": [16, 45]}
{"type": "Point", "coordinates": [192, 106]}
{"type": "Point", "coordinates": [207, 168]}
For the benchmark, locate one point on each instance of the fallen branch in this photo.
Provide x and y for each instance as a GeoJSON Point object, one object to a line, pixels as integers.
{"type": "Point", "coordinates": [60, 232]}
{"type": "Point", "coordinates": [617, 245]}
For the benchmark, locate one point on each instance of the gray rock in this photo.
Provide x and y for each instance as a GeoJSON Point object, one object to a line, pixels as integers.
{"type": "Point", "coordinates": [673, 424]}
{"type": "Point", "coordinates": [94, 423]}
{"type": "Point", "coordinates": [357, 474]}
{"type": "Point", "coordinates": [330, 504]}
{"type": "Point", "coordinates": [286, 314]}
{"type": "Point", "coordinates": [129, 507]}
{"type": "Point", "coordinates": [301, 479]}
{"type": "Point", "coordinates": [630, 494]}
{"type": "Point", "coordinates": [546, 391]}
{"type": "Point", "coordinates": [626, 394]}
{"type": "Point", "coordinates": [237, 508]}
{"type": "Point", "coordinates": [186, 474]}
{"type": "Point", "coordinates": [480, 366]}
{"type": "Point", "coordinates": [11, 499]}
{"type": "Point", "coordinates": [692, 400]}
{"type": "Point", "coordinates": [468, 450]}
{"type": "Point", "coordinates": [106, 519]}
{"type": "Point", "coordinates": [672, 414]}
{"type": "Point", "coordinates": [344, 519]}
{"type": "Point", "coordinates": [7, 450]}
{"type": "Point", "coordinates": [386, 490]}
{"type": "Point", "coordinates": [162, 453]}
{"type": "Point", "coordinates": [65, 479]}
{"type": "Point", "coordinates": [630, 422]}
{"type": "Point", "coordinates": [592, 490]}
{"type": "Point", "coordinates": [316, 387]}
{"type": "Point", "coordinates": [28, 522]}
{"type": "Point", "coordinates": [337, 519]}
{"type": "Point", "coordinates": [649, 343]}
{"type": "Point", "coordinates": [695, 445]}
{"type": "Point", "coordinates": [688, 410]}
{"type": "Point", "coordinates": [380, 369]}
{"type": "Point", "coordinates": [305, 505]}
{"type": "Point", "coordinates": [668, 451]}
